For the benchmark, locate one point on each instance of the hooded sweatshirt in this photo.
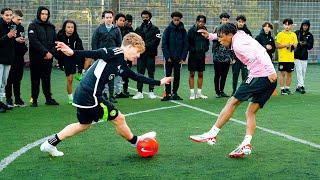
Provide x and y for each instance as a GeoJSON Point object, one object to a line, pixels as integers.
{"type": "Point", "coordinates": [305, 40]}
{"type": "Point", "coordinates": [42, 37]}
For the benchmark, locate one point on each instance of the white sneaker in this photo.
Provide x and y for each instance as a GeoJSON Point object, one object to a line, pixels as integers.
{"type": "Point", "coordinates": [192, 97]}
{"type": "Point", "coordinates": [151, 135]}
{"type": "Point", "coordinates": [201, 96]}
{"type": "Point", "coordinates": [139, 95]}
{"type": "Point", "coordinates": [151, 95]}
{"type": "Point", "coordinates": [52, 150]}
{"type": "Point", "coordinates": [205, 137]}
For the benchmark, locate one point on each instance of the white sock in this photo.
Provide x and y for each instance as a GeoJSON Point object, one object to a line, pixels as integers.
{"type": "Point", "coordinates": [191, 91]}
{"type": "Point", "coordinates": [70, 96]}
{"type": "Point", "coordinates": [246, 140]}
{"type": "Point", "coordinates": [287, 87]}
{"type": "Point", "coordinates": [282, 88]}
{"type": "Point", "coordinates": [214, 131]}
{"type": "Point", "coordinates": [199, 91]}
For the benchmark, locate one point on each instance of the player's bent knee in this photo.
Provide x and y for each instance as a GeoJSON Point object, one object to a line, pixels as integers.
{"type": "Point", "coordinates": [120, 118]}
{"type": "Point", "coordinates": [234, 101]}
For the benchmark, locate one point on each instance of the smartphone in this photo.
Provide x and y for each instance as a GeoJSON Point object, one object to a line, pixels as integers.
{"type": "Point", "coordinates": [13, 27]}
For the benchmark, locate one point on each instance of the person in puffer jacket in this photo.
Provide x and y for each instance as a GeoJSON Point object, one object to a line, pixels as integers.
{"type": "Point", "coordinates": [305, 39]}
{"type": "Point", "coordinates": [175, 51]}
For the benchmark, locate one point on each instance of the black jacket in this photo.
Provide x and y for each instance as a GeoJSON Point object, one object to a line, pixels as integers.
{"type": "Point", "coordinates": [245, 29]}
{"type": "Point", "coordinates": [73, 41]}
{"type": "Point", "coordinates": [126, 30]}
{"type": "Point", "coordinates": [265, 39]}
{"type": "Point", "coordinates": [305, 40]}
{"type": "Point", "coordinates": [20, 48]}
{"type": "Point", "coordinates": [221, 53]}
{"type": "Point", "coordinates": [7, 50]}
{"type": "Point", "coordinates": [197, 43]}
{"type": "Point", "coordinates": [101, 38]}
{"type": "Point", "coordinates": [42, 37]}
{"type": "Point", "coordinates": [175, 42]}
{"type": "Point", "coordinates": [151, 36]}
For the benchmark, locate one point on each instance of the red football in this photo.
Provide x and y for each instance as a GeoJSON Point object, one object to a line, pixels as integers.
{"type": "Point", "coordinates": [147, 147]}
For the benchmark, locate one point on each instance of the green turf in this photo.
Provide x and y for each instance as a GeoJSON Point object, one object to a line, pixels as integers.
{"type": "Point", "coordinates": [100, 154]}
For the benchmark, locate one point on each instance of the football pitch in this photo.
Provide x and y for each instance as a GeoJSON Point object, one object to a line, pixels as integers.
{"type": "Point", "coordinates": [286, 144]}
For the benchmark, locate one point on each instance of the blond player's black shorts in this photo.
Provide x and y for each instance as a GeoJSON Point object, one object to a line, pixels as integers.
{"type": "Point", "coordinates": [258, 89]}
{"type": "Point", "coordinates": [104, 111]}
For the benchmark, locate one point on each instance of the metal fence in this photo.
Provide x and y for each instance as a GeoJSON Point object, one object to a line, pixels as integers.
{"type": "Point", "coordinates": [87, 13]}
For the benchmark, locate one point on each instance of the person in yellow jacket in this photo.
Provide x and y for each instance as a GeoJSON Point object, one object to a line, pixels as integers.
{"type": "Point", "coordinates": [286, 42]}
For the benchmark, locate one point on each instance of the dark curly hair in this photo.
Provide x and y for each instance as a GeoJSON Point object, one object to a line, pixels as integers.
{"type": "Point", "coordinates": [176, 14]}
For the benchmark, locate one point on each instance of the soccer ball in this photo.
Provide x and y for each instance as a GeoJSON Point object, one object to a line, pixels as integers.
{"type": "Point", "coordinates": [147, 147]}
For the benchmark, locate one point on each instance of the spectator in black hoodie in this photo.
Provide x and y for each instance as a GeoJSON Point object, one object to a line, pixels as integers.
{"type": "Point", "coordinates": [7, 37]}
{"type": "Point", "coordinates": [16, 71]}
{"type": "Point", "coordinates": [151, 36]}
{"type": "Point", "coordinates": [237, 64]}
{"type": "Point", "coordinates": [42, 37]}
{"type": "Point", "coordinates": [198, 46]}
{"type": "Point", "coordinates": [175, 51]}
{"type": "Point", "coordinates": [265, 38]}
{"type": "Point", "coordinates": [69, 35]}
{"type": "Point", "coordinates": [305, 43]}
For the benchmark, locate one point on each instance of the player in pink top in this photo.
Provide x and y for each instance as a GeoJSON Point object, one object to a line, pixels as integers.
{"type": "Point", "coordinates": [259, 85]}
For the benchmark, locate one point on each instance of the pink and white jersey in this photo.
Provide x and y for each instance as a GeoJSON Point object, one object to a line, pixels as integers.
{"type": "Point", "coordinates": [251, 53]}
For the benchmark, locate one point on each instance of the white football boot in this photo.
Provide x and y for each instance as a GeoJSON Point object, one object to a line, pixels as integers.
{"type": "Point", "coordinates": [205, 137]}
{"type": "Point", "coordinates": [151, 135]}
{"type": "Point", "coordinates": [52, 150]}
{"type": "Point", "coordinates": [241, 151]}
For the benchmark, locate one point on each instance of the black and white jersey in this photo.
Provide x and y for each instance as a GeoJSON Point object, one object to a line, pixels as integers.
{"type": "Point", "coordinates": [110, 63]}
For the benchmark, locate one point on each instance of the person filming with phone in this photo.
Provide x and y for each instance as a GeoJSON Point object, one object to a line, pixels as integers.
{"type": "Point", "coordinates": [7, 38]}
{"type": "Point", "coordinates": [16, 71]}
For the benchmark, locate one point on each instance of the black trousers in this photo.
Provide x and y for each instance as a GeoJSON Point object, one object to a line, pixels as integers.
{"type": "Point", "coordinates": [126, 79]}
{"type": "Point", "coordinates": [236, 67]}
{"type": "Point", "coordinates": [175, 66]}
{"type": "Point", "coordinates": [221, 70]}
{"type": "Point", "coordinates": [143, 63]}
{"type": "Point", "coordinates": [41, 71]}
{"type": "Point", "coordinates": [14, 79]}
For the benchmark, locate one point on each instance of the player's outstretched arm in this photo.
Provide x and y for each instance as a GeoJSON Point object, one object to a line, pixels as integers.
{"type": "Point", "coordinates": [127, 72]}
{"type": "Point", "coordinates": [103, 53]}
{"type": "Point", "coordinates": [208, 35]}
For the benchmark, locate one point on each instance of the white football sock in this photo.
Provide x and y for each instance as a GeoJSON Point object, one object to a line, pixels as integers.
{"type": "Point", "coordinates": [199, 91]}
{"type": "Point", "coordinates": [246, 140]}
{"type": "Point", "coordinates": [70, 96]}
{"type": "Point", "coordinates": [214, 131]}
{"type": "Point", "coordinates": [191, 91]}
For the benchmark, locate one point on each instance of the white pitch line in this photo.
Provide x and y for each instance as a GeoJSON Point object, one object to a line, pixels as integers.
{"type": "Point", "coordinates": [286, 136]}
{"type": "Point", "coordinates": [9, 159]}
